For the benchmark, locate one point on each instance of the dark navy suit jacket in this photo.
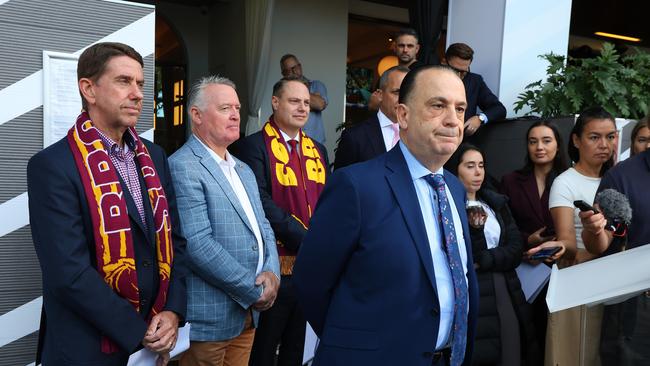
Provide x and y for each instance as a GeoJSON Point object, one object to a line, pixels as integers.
{"type": "Point", "coordinates": [364, 274]}
{"type": "Point", "coordinates": [360, 142]}
{"type": "Point", "coordinates": [79, 307]}
{"type": "Point", "coordinates": [479, 95]}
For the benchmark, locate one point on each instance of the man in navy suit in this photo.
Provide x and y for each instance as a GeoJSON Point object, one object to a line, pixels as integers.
{"type": "Point", "coordinates": [380, 132]}
{"type": "Point", "coordinates": [88, 319]}
{"type": "Point", "coordinates": [372, 276]}
{"type": "Point", "coordinates": [459, 57]}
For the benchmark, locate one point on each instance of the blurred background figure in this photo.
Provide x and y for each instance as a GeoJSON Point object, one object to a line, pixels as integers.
{"type": "Point", "coordinates": [641, 136]}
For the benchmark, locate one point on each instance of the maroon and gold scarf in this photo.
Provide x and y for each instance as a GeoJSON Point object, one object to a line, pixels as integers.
{"type": "Point", "coordinates": [296, 181]}
{"type": "Point", "coordinates": [111, 227]}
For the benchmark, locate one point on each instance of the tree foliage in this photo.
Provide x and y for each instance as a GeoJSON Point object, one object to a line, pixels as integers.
{"type": "Point", "coordinates": [620, 84]}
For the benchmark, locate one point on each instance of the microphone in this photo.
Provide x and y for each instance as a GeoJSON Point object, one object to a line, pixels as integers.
{"type": "Point", "coordinates": [616, 209]}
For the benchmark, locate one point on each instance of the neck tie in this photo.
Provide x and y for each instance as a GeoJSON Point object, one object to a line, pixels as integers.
{"type": "Point", "coordinates": [459, 329]}
{"type": "Point", "coordinates": [294, 156]}
{"type": "Point", "coordinates": [395, 128]}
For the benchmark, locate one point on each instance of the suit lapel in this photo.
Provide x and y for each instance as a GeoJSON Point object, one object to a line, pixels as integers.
{"type": "Point", "coordinates": [375, 137]}
{"type": "Point", "coordinates": [211, 166]}
{"type": "Point", "coordinates": [400, 182]}
{"type": "Point", "coordinates": [532, 194]}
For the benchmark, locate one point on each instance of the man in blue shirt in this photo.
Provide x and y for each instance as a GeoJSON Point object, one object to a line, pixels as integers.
{"type": "Point", "coordinates": [393, 281]}
{"type": "Point", "coordinates": [290, 66]}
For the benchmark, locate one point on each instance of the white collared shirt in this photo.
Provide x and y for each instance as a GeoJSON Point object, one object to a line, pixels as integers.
{"type": "Point", "coordinates": [427, 198]}
{"type": "Point", "coordinates": [387, 131]}
{"type": "Point", "coordinates": [287, 138]}
{"type": "Point", "coordinates": [227, 166]}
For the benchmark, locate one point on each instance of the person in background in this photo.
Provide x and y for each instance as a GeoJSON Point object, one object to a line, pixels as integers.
{"type": "Point", "coordinates": [379, 133]}
{"type": "Point", "coordinates": [406, 48]}
{"type": "Point", "coordinates": [459, 56]}
{"type": "Point", "coordinates": [641, 136]}
{"type": "Point", "coordinates": [505, 334]}
{"type": "Point", "coordinates": [528, 190]}
{"type": "Point", "coordinates": [591, 148]}
{"type": "Point", "coordinates": [291, 67]}
{"type": "Point", "coordinates": [291, 171]}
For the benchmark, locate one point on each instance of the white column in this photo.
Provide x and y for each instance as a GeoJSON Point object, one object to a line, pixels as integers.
{"type": "Point", "coordinates": [507, 36]}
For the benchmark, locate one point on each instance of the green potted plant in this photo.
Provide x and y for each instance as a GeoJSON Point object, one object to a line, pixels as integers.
{"type": "Point", "coordinates": [621, 84]}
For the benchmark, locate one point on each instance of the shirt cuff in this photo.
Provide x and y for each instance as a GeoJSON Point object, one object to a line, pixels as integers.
{"type": "Point", "coordinates": [484, 118]}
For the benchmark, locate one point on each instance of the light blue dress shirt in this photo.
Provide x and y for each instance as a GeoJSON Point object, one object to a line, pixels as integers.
{"type": "Point", "coordinates": [428, 201]}
{"type": "Point", "coordinates": [314, 127]}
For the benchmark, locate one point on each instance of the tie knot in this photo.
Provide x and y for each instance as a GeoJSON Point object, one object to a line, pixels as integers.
{"type": "Point", "coordinates": [436, 180]}
{"type": "Point", "coordinates": [293, 144]}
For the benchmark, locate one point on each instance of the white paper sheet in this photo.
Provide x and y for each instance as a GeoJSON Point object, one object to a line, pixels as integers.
{"type": "Point", "coordinates": [144, 357]}
{"type": "Point", "coordinates": [533, 278]}
{"type": "Point", "coordinates": [604, 280]}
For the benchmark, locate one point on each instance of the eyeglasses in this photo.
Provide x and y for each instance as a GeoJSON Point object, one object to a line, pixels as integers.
{"type": "Point", "coordinates": [461, 73]}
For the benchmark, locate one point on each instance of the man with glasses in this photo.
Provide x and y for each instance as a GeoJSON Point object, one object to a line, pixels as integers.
{"type": "Point", "coordinates": [291, 67]}
{"type": "Point", "coordinates": [459, 56]}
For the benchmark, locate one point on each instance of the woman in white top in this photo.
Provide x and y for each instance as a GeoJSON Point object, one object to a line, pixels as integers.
{"type": "Point", "coordinates": [573, 335]}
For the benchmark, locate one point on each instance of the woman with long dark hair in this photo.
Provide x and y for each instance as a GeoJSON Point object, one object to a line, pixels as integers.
{"type": "Point", "coordinates": [505, 334]}
{"type": "Point", "coordinates": [528, 189]}
{"type": "Point", "coordinates": [573, 335]}
{"type": "Point", "coordinates": [641, 136]}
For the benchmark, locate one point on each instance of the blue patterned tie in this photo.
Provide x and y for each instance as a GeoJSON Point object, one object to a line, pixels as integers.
{"type": "Point", "coordinates": [459, 330]}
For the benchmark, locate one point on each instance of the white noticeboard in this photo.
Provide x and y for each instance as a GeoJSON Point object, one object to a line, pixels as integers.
{"type": "Point", "coordinates": [61, 100]}
{"type": "Point", "coordinates": [608, 280]}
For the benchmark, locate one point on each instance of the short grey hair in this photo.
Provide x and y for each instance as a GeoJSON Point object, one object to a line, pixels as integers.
{"type": "Point", "coordinates": [383, 79]}
{"type": "Point", "coordinates": [196, 93]}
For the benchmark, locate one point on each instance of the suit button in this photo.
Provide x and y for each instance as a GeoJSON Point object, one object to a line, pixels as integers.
{"type": "Point", "coordinates": [434, 312]}
{"type": "Point", "coordinates": [146, 263]}
{"type": "Point", "coordinates": [254, 247]}
{"type": "Point", "coordinates": [427, 354]}
{"type": "Point", "coordinates": [143, 302]}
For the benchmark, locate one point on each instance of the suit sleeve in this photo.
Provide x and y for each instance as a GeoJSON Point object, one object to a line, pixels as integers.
{"type": "Point", "coordinates": [346, 153]}
{"type": "Point", "coordinates": [177, 293]}
{"type": "Point", "coordinates": [287, 229]}
{"type": "Point", "coordinates": [489, 103]}
{"type": "Point", "coordinates": [328, 245]}
{"type": "Point", "coordinates": [62, 247]}
{"type": "Point", "coordinates": [205, 255]}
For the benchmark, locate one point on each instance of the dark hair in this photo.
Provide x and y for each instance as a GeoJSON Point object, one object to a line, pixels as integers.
{"type": "Point", "coordinates": [384, 77]}
{"type": "Point", "coordinates": [585, 117]}
{"type": "Point", "coordinates": [286, 57]}
{"type": "Point", "coordinates": [278, 87]}
{"type": "Point", "coordinates": [92, 62]}
{"type": "Point", "coordinates": [460, 50]}
{"type": "Point", "coordinates": [408, 84]}
{"type": "Point", "coordinates": [457, 157]}
{"type": "Point", "coordinates": [560, 163]}
{"type": "Point", "coordinates": [644, 122]}
{"type": "Point", "coordinates": [407, 32]}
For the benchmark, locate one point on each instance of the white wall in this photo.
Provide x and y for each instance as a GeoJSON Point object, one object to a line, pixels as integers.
{"type": "Point", "coordinates": [479, 24]}
{"type": "Point", "coordinates": [507, 37]}
{"type": "Point", "coordinates": [316, 32]}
